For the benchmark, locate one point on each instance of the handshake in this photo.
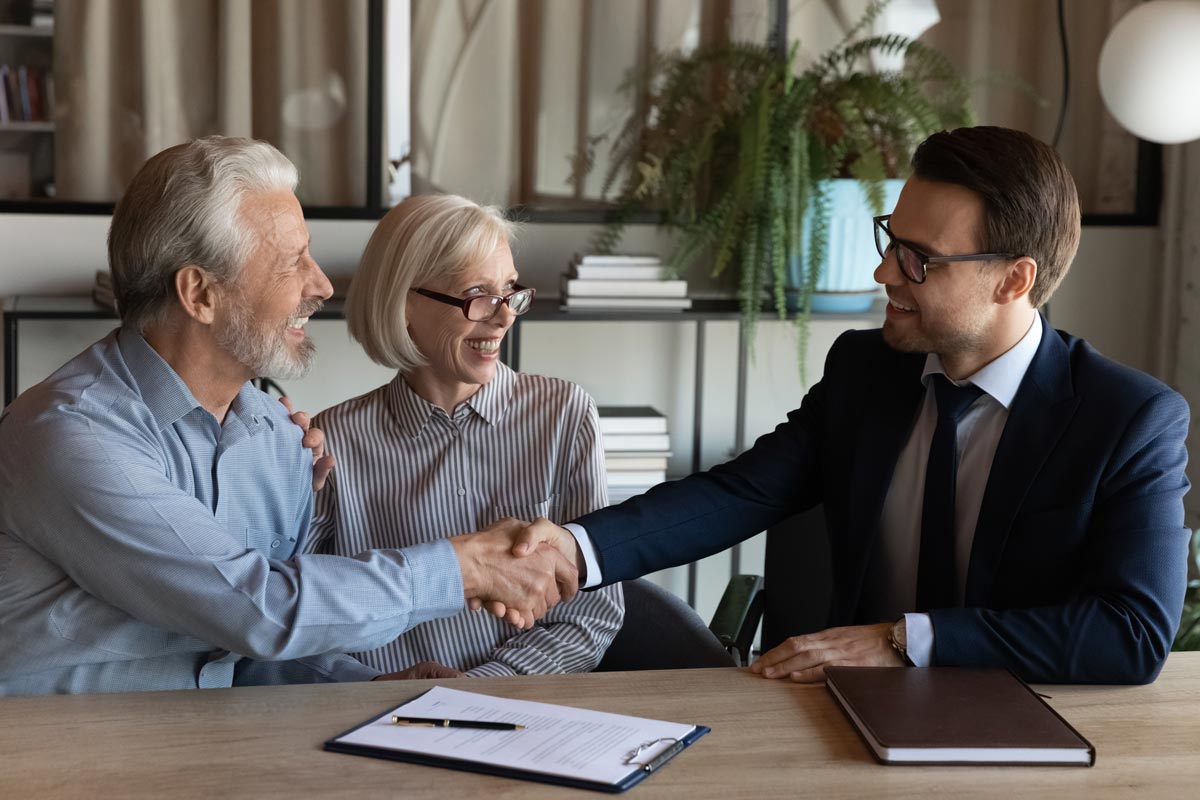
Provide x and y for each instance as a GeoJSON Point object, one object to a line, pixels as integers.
{"type": "Point", "coordinates": [517, 570]}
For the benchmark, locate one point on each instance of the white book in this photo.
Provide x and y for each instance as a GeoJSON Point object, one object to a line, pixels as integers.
{"type": "Point", "coordinates": [617, 259]}
{"type": "Point", "coordinates": [575, 287]}
{"type": "Point", "coordinates": [624, 303]}
{"type": "Point", "coordinates": [621, 462]}
{"type": "Point", "coordinates": [648, 477]}
{"type": "Point", "coordinates": [636, 441]}
{"type": "Point", "coordinates": [618, 272]}
{"type": "Point", "coordinates": [631, 419]}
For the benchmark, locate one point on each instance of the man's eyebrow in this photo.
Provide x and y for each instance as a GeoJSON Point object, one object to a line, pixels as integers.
{"type": "Point", "coordinates": [923, 248]}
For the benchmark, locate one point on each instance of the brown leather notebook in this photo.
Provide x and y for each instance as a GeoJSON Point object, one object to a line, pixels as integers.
{"type": "Point", "coordinates": [954, 715]}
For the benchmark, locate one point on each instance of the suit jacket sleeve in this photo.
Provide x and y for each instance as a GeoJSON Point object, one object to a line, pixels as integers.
{"type": "Point", "coordinates": [681, 521]}
{"type": "Point", "coordinates": [1119, 625]}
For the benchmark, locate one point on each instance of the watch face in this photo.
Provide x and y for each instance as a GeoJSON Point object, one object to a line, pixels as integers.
{"type": "Point", "coordinates": [900, 636]}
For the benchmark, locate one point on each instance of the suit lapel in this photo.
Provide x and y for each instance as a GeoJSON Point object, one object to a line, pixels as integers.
{"type": "Point", "coordinates": [1040, 412]}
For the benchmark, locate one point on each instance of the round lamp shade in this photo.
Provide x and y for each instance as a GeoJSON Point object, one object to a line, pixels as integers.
{"type": "Point", "coordinates": [1150, 71]}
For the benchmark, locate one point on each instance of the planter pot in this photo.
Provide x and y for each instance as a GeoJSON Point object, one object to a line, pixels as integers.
{"type": "Point", "coordinates": [846, 283]}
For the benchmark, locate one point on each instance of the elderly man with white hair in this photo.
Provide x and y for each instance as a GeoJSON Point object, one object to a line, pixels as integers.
{"type": "Point", "coordinates": [154, 505]}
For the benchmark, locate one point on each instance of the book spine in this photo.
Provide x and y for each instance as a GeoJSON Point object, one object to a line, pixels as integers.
{"type": "Point", "coordinates": [610, 425]}
{"type": "Point", "coordinates": [618, 273]}
{"type": "Point", "coordinates": [651, 303]}
{"type": "Point", "coordinates": [593, 288]}
{"type": "Point", "coordinates": [5, 115]}
{"type": "Point", "coordinates": [644, 260]}
{"type": "Point", "coordinates": [23, 80]}
{"type": "Point", "coordinates": [636, 441]}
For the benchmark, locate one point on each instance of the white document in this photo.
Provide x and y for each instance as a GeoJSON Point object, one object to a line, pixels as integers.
{"type": "Point", "coordinates": [557, 740]}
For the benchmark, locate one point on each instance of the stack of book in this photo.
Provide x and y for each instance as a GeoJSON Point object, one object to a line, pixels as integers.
{"type": "Point", "coordinates": [621, 282]}
{"type": "Point", "coordinates": [102, 290]}
{"type": "Point", "coordinates": [636, 449]}
{"type": "Point", "coordinates": [42, 16]}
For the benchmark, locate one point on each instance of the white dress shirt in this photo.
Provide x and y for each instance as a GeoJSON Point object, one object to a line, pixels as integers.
{"type": "Point", "coordinates": [894, 565]}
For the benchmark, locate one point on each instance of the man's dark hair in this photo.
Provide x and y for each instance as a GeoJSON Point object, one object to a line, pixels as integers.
{"type": "Point", "coordinates": [1031, 205]}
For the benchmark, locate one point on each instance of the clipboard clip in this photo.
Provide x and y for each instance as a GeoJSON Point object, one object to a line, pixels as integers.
{"type": "Point", "coordinates": [631, 758]}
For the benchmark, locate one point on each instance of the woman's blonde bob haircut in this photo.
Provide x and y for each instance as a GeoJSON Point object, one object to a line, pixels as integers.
{"type": "Point", "coordinates": [424, 238]}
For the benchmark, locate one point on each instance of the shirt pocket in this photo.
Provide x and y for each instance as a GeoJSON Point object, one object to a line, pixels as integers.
{"type": "Point", "coordinates": [522, 510]}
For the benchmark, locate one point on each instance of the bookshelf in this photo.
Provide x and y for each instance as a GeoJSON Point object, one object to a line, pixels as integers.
{"type": "Point", "coordinates": [26, 104]}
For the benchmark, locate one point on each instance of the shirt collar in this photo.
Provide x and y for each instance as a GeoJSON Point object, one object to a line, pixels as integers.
{"type": "Point", "coordinates": [413, 412]}
{"type": "Point", "coordinates": [1001, 377]}
{"type": "Point", "coordinates": [169, 398]}
{"type": "Point", "coordinates": [163, 391]}
{"type": "Point", "coordinates": [492, 399]}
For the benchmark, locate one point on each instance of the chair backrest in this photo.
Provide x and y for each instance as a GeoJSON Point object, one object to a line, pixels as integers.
{"type": "Point", "coordinates": [661, 632]}
{"type": "Point", "coordinates": [797, 577]}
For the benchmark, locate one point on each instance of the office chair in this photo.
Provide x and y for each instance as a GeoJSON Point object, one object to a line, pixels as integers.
{"type": "Point", "coordinates": [790, 598]}
{"type": "Point", "coordinates": [661, 632]}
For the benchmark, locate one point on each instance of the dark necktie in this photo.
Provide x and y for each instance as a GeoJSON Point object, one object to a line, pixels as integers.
{"type": "Point", "coordinates": [935, 573]}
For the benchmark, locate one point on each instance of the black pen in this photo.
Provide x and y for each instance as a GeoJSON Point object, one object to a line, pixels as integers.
{"type": "Point", "coordinates": [427, 722]}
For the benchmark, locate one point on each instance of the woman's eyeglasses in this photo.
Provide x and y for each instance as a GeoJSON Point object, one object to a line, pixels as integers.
{"type": "Point", "coordinates": [913, 263]}
{"type": "Point", "coordinates": [482, 307]}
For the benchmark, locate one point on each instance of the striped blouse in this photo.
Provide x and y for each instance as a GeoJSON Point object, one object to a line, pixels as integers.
{"type": "Point", "coordinates": [523, 446]}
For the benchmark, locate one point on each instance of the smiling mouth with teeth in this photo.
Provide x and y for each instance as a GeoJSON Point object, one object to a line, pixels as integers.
{"type": "Point", "coordinates": [900, 307]}
{"type": "Point", "coordinates": [298, 323]}
{"type": "Point", "coordinates": [484, 346]}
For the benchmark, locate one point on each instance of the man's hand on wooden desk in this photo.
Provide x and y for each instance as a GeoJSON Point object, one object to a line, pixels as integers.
{"type": "Point", "coordinates": [804, 658]}
{"type": "Point", "coordinates": [420, 671]}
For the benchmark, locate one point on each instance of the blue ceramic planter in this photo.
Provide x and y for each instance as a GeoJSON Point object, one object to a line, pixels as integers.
{"type": "Point", "coordinates": [846, 283]}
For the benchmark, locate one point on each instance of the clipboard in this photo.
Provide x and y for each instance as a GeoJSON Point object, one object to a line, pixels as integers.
{"type": "Point", "coordinates": [357, 741]}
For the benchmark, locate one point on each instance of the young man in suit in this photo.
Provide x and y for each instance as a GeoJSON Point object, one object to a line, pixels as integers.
{"type": "Point", "coordinates": [997, 493]}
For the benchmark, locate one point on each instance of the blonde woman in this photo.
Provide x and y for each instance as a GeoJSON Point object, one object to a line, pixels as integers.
{"type": "Point", "coordinates": [458, 440]}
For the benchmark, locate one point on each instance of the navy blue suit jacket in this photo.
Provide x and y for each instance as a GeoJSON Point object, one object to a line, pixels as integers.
{"type": "Point", "coordinates": [1078, 568]}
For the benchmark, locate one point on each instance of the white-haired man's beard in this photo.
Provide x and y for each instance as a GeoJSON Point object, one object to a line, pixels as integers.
{"type": "Point", "coordinates": [264, 349]}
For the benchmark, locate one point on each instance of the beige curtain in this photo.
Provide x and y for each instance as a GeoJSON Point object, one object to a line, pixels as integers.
{"type": "Point", "coordinates": [506, 92]}
{"type": "Point", "coordinates": [991, 39]}
{"type": "Point", "coordinates": [1177, 349]}
{"type": "Point", "coordinates": [136, 76]}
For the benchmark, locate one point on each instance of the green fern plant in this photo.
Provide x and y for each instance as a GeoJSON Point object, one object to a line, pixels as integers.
{"type": "Point", "coordinates": [734, 147]}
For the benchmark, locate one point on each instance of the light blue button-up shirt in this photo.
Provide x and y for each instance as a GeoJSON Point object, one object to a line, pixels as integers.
{"type": "Point", "coordinates": [144, 545]}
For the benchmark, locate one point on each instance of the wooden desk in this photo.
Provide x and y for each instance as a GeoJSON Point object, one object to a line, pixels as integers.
{"type": "Point", "coordinates": [769, 739]}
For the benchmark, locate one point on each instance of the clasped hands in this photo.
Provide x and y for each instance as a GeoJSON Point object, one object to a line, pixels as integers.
{"type": "Point", "coordinates": [512, 575]}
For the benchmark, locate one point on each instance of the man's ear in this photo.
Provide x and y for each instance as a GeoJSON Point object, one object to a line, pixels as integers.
{"type": "Point", "coordinates": [197, 293]}
{"type": "Point", "coordinates": [1018, 280]}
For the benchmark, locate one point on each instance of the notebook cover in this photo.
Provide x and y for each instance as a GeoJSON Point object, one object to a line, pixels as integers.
{"type": "Point", "coordinates": [951, 707]}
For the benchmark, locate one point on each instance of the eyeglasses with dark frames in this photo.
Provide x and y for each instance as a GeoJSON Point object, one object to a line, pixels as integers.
{"type": "Point", "coordinates": [482, 307]}
{"type": "Point", "coordinates": [913, 263]}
